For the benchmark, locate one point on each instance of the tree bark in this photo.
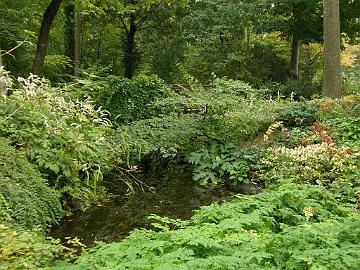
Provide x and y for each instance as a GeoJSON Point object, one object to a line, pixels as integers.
{"type": "Point", "coordinates": [77, 60]}
{"type": "Point", "coordinates": [131, 54]}
{"type": "Point", "coordinates": [295, 53]}
{"type": "Point", "coordinates": [332, 50]}
{"type": "Point", "coordinates": [43, 37]}
{"type": "Point", "coordinates": [69, 32]}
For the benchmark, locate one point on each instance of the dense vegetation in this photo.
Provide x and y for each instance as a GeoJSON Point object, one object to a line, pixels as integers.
{"type": "Point", "coordinates": [232, 89]}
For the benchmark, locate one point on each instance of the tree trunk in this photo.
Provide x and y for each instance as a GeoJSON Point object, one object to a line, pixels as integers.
{"type": "Point", "coordinates": [69, 32]}
{"type": "Point", "coordinates": [332, 50]}
{"type": "Point", "coordinates": [131, 54]}
{"type": "Point", "coordinates": [295, 53]}
{"type": "Point", "coordinates": [43, 37]}
{"type": "Point", "coordinates": [77, 58]}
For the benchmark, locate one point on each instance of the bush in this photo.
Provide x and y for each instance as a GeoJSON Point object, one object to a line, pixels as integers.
{"type": "Point", "coordinates": [56, 67]}
{"type": "Point", "coordinates": [224, 163]}
{"type": "Point", "coordinates": [297, 114]}
{"type": "Point", "coordinates": [25, 198]}
{"type": "Point", "coordinates": [25, 249]}
{"type": "Point", "coordinates": [69, 140]}
{"type": "Point", "coordinates": [348, 106]}
{"type": "Point", "coordinates": [346, 129]}
{"type": "Point", "coordinates": [302, 88]}
{"type": "Point", "coordinates": [168, 136]}
{"type": "Point", "coordinates": [129, 100]}
{"type": "Point", "coordinates": [320, 164]}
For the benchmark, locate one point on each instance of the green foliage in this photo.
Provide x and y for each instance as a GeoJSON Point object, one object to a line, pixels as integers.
{"type": "Point", "coordinates": [297, 114]}
{"type": "Point", "coordinates": [25, 198]}
{"type": "Point", "coordinates": [302, 88]}
{"type": "Point", "coordinates": [237, 88]}
{"type": "Point", "coordinates": [350, 77]}
{"type": "Point", "coordinates": [168, 135]}
{"type": "Point", "coordinates": [228, 113]}
{"type": "Point", "coordinates": [335, 167]}
{"type": "Point", "coordinates": [31, 250]}
{"type": "Point", "coordinates": [292, 227]}
{"type": "Point", "coordinates": [68, 140]}
{"type": "Point", "coordinates": [346, 129]}
{"type": "Point", "coordinates": [348, 106]}
{"type": "Point", "coordinates": [129, 100]}
{"type": "Point", "coordinates": [224, 163]}
{"type": "Point", "coordinates": [56, 67]}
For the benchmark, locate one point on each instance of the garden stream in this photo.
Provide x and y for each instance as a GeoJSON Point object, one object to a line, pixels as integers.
{"type": "Point", "coordinates": [173, 194]}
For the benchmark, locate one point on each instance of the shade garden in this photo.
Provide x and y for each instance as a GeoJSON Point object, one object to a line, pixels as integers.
{"type": "Point", "coordinates": [179, 135]}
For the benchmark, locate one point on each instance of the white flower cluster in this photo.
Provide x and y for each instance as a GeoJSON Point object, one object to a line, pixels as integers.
{"type": "Point", "coordinates": [30, 84]}
{"type": "Point", "coordinates": [314, 151]}
{"type": "Point", "coordinates": [5, 80]}
{"type": "Point", "coordinates": [315, 156]}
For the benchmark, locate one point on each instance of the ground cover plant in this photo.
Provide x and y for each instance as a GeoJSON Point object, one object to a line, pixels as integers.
{"type": "Point", "coordinates": [290, 227]}
{"type": "Point", "coordinates": [31, 249]}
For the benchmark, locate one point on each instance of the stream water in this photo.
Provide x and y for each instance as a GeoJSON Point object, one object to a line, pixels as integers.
{"type": "Point", "coordinates": [174, 194]}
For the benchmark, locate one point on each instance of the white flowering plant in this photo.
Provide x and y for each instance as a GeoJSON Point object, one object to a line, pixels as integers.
{"type": "Point", "coordinates": [325, 164]}
{"type": "Point", "coordinates": [69, 140]}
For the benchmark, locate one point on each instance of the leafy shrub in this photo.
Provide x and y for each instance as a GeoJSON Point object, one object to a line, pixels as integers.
{"type": "Point", "coordinates": [346, 129]}
{"type": "Point", "coordinates": [237, 88]}
{"type": "Point", "coordinates": [302, 88]}
{"type": "Point", "coordinates": [25, 198]}
{"type": "Point", "coordinates": [69, 140]}
{"type": "Point", "coordinates": [351, 81]}
{"type": "Point", "coordinates": [348, 106]}
{"type": "Point", "coordinates": [30, 250]}
{"type": "Point", "coordinates": [56, 66]}
{"type": "Point", "coordinates": [227, 116]}
{"type": "Point", "coordinates": [351, 74]}
{"type": "Point", "coordinates": [292, 227]}
{"type": "Point", "coordinates": [245, 121]}
{"type": "Point", "coordinates": [129, 100]}
{"type": "Point", "coordinates": [169, 136]}
{"type": "Point", "coordinates": [297, 114]}
{"type": "Point", "coordinates": [320, 164]}
{"type": "Point", "coordinates": [224, 163]}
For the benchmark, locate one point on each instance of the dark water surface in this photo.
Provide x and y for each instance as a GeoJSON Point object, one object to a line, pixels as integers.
{"type": "Point", "coordinates": [175, 195]}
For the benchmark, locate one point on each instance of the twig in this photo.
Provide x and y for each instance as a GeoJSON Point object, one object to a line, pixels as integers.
{"type": "Point", "coordinates": [14, 112]}
{"type": "Point", "coordinates": [141, 183]}
{"type": "Point", "coordinates": [13, 49]}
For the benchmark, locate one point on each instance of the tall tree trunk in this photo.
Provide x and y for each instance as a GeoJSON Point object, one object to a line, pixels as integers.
{"type": "Point", "coordinates": [332, 50]}
{"type": "Point", "coordinates": [131, 54]}
{"type": "Point", "coordinates": [43, 37]}
{"type": "Point", "coordinates": [295, 53]}
{"type": "Point", "coordinates": [77, 58]}
{"type": "Point", "coordinates": [69, 32]}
